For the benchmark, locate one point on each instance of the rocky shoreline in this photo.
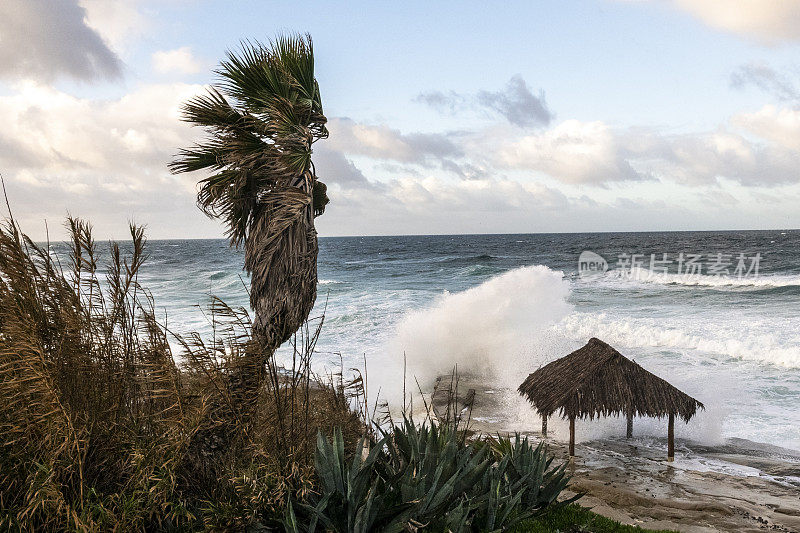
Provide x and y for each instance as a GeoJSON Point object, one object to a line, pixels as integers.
{"type": "Point", "coordinates": [634, 485]}
{"type": "Point", "coordinates": [739, 485]}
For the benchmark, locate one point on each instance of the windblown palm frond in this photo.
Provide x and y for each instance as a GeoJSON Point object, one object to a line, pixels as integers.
{"type": "Point", "coordinates": [262, 118]}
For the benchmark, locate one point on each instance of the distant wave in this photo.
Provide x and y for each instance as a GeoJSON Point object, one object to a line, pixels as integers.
{"type": "Point", "coordinates": [763, 348]}
{"type": "Point", "coordinates": [468, 259]}
{"type": "Point", "coordinates": [327, 281]}
{"type": "Point", "coordinates": [702, 280]}
{"type": "Point", "coordinates": [476, 270]}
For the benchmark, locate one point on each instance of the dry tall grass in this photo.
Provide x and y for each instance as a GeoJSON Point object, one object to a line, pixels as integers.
{"type": "Point", "coordinates": [101, 429]}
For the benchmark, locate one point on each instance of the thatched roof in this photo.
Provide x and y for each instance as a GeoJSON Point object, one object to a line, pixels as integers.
{"type": "Point", "coordinates": [597, 380]}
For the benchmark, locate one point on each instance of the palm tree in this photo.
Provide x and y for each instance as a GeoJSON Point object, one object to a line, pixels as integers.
{"type": "Point", "coordinates": [262, 118]}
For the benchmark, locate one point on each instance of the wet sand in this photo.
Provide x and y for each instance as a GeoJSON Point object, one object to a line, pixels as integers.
{"type": "Point", "coordinates": [737, 486]}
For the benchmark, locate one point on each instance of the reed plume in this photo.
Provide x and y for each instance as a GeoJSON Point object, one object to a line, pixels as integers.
{"type": "Point", "coordinates": [103, 428]}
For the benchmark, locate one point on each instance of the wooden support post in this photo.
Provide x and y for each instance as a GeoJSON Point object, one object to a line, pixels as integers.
{"type": "Point", "coordinates": [629, 432]}
{"type": "Point", "coordinates": [572, 436]}
{"type": "Point", "coordinates": [544, 426]}
{"type": "Point", "coordinates": [671, 438]}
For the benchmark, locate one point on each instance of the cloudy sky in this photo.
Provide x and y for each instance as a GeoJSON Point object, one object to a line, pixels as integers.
{"type": "Point", "coordinates": [445, 117]}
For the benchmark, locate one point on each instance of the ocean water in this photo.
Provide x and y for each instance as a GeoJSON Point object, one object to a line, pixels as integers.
{"type": "Point", "coordinates": [500, 306]}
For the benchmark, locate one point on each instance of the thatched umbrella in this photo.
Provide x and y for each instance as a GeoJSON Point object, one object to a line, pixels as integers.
{"type": "Point", "coordinates": [597, 380]}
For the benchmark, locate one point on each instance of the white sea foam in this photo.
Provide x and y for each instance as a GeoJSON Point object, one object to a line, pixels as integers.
{"type": "Point", "coordinates": [763, 281]}
{"type": "Point", "coordinates": [727, 341]}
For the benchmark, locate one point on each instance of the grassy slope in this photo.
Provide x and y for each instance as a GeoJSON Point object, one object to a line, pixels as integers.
{"type": "Point", "coordinates": [575, 518]}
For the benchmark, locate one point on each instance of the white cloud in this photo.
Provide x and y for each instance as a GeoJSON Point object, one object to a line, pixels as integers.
{"type": "Point", "coordinates": [103, 158]}
{"type": "Point", "coordinates": [767, 21]}
{"type": "Point", "coordinates": [383, 142]}
{"type": "Point", "coordinates": [578, 153]}
{"type": "Point", "coordinates": [707, 158]}
{"type": "Point", "coordinates": [134, 134]}
{"type": "Point", "coordinates": [44, 40]}
{"type": "Point", "coordinates": [334, 167]}
{"type": "Point", "coordinates": [106, 159]}
{"type": "Point", "coordinates": [117, 21]}
{"type": "Point", "coordinates": [592, 153]}
{"type": "Point", "coordinates": [434, 205]}
{"type": "Point", "coordinates": [780, 125]}
{"type": "Point", "coordinates": [770, 21]}
{"type": "Point", "coordinates": [180, 61]}
{"type": "Point", "coordinates": [573, 152]}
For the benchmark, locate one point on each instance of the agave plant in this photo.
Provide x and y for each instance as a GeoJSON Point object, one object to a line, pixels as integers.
{"type": "Point", "coordinates": [262, 119]}
{"type": "Point", "coordinates": [531, 466]}
{"type": "Point", "coordinates": [429, 477]}
{"type": "Point", "coordinates": [433, 466]}
{"type": "Point", "coordinates": [353, 498]}
{"type": "Point", "coordinates": [521, 484]}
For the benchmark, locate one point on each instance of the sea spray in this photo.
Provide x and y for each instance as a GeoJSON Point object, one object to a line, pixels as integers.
{"type": "Point", "coordinates": [501, 330]}
{"type": "Point", "coordinates": [494, 330]}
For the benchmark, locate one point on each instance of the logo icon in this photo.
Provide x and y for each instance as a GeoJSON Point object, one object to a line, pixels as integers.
{"type": "Point", "coordinates": [591, 264]}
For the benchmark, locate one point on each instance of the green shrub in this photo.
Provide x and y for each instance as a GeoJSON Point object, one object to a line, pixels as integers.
{"type": "Point", "coordinates": [429, 477]}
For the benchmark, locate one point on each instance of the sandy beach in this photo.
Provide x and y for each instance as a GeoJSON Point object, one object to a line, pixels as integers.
{"type": "Point", "coordinates": [739, 485]}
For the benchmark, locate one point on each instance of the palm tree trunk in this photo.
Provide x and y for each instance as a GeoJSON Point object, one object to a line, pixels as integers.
{"type": "Point", "coordinates": [283, 294]}
{"type": "Point", "coordinates": [283, 290]}
{"type": "Point", "coordinates": [283, 270]}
